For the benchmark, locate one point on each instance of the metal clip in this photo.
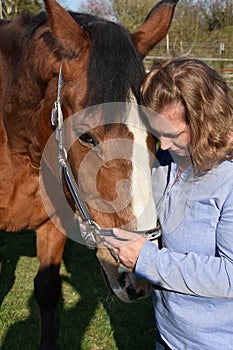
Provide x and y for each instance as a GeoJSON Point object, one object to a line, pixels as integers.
{"type": "Point", "coordinates": [54, 114]}
{"type": "Point", "coordinates": [92, 233]}
{"type": "Point", "coordinates": [153, 235]}
{"type": "Point", "coordinates": [59, 116]}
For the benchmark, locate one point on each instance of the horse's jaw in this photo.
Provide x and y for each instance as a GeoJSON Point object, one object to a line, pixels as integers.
{"type": "Point", "coordinates": [131, 288]}
{"type": "Point", "coordinates": [122, 282]}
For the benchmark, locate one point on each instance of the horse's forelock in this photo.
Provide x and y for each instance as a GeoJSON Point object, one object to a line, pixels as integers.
{"type": "Point", "coordinates": [115, 66]}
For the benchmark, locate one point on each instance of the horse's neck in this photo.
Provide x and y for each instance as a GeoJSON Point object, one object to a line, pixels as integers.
{"type": "Point", "coordinates": [20, 97]}
{"type": "Point", "coordinates": [19, 105]}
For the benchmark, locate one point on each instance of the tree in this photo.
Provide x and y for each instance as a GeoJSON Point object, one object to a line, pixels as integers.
{"type": "Point", "coordinates": [9, 9]}
{"type": "Point", "coordinates": [218, 14]}
{"type": "Point", "coordinates": [131, 13]}
{"type": "Point", "coordinates": [101, 8]}
{"type": "Point", "coordinates": [186, 26]}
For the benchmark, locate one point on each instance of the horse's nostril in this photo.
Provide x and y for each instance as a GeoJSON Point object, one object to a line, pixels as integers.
{"type": "Point", "coordinates": [121, 280]}
{"type": "Point", "coordinates": [133, 294]}
{"type": "Point", "coordinates": [131, 291]}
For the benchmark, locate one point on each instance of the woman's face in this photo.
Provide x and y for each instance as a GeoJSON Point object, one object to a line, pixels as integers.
{"type": "Point", "coordinates": [172, 129]}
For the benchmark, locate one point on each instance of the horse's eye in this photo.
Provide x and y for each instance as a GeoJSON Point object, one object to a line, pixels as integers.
{"type": "Point", "coordinates": [87, 139]}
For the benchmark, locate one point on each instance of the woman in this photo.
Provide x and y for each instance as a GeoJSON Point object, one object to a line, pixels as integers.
{"type": "Point", "coordinates": [192, 273]}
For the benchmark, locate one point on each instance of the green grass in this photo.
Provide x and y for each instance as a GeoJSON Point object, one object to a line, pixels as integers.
{"type": "Point", "coordinates": [87, 317]}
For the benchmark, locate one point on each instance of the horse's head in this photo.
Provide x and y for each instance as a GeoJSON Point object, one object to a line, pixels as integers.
{"type": "Point", "coordinates": [110, 152]}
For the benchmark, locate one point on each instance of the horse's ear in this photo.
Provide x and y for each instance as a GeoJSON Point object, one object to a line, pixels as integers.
{"type": "Point", "coordinates": [155, 27]}
{"type": "Point", "coordinates": [67, 31]}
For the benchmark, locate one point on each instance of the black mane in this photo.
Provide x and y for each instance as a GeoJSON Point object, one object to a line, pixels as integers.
{"type": "Point", "coordinates": [115, 66]}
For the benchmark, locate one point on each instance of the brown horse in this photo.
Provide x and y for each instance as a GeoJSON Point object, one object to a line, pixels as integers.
{"type": "Point", "coordinates": [82, 61]}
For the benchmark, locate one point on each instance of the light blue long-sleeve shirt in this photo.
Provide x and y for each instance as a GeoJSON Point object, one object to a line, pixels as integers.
{"type": "Point", "coordinates": [193, 273]}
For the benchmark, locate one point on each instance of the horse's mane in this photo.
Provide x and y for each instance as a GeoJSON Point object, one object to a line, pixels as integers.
{"type": "Point", "coordinates": [18, 33]}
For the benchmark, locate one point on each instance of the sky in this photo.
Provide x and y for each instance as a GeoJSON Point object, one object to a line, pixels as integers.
{"type": "Point", "coordinates": [70, 4]}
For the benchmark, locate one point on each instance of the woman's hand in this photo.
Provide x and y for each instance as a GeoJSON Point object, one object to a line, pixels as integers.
{"type": "Point", "coordinates": [125, 246]}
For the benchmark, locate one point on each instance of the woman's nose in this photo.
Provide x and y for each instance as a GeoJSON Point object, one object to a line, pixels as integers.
{"type": "Point", "coordinates": [165, 143]}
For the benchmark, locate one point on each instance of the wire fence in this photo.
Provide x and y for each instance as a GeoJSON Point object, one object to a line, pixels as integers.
{"type": "Point", "coordinates": [218, 55]}
{"type": "Point", "coordinates": [219, 49]}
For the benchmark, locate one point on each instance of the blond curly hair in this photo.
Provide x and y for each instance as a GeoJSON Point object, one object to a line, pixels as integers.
{"type": "Point", "coordinates": [208, 103]}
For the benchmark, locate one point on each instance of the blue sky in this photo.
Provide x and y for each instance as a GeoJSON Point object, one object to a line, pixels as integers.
{"type": "Point", "coordinates": [75, 4]}
{"type": "Point", "coordinates": [70, 4]}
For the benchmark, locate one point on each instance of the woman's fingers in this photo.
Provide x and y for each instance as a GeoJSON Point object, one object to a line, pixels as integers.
{"type": "Point", "coordinates": [125, 246]}
{"type": "Point", "coordinates": [120, 238]}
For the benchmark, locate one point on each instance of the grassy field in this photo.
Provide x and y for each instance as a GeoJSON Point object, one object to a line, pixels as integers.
{"type": "Point", "coordinates": [87, 317]}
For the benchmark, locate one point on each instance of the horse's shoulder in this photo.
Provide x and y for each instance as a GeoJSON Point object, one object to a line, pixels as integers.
{"type": "Point", "coordinates": [3, 138]}
{"type": "Point", "coordinates": [18, 186]}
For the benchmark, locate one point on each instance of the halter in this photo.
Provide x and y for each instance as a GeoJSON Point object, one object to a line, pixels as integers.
{"type": "Point", "coordinates": [94, 234]}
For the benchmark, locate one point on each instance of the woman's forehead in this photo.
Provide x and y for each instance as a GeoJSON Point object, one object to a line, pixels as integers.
{"type": "Point", "coordinates": [170, 119]}
{"type": "Point", "coordinates": [174, 111]}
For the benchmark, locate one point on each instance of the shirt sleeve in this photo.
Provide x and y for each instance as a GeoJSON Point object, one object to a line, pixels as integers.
{"type": "Point", "coordinates": [191, 273]}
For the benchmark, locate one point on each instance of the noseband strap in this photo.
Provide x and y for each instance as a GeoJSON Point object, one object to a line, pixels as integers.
{"type": "Point", "coordinates": [94, 234]}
